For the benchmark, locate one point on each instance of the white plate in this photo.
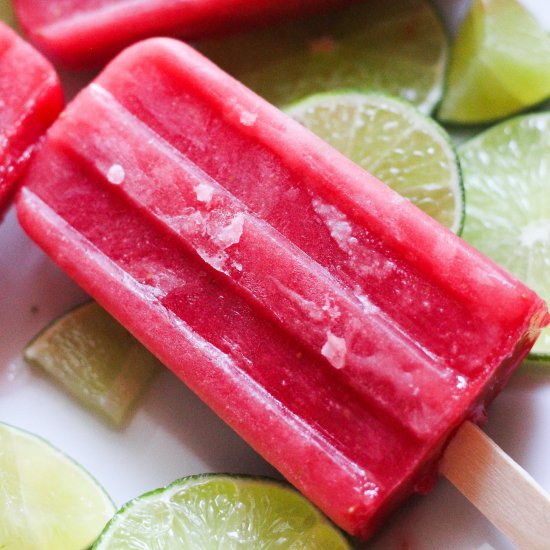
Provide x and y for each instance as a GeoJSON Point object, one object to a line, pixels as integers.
{"type": "Point", "coordinates": [173, 434]}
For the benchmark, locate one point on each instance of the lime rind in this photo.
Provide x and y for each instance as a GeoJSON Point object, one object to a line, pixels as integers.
{"type": "Point", "coordinates": [508, 212]}
{"type": "Point", "coordinates": [395, 142]}
{"type": "Point", "coordinates": [47, 499]}
{"type": "Point", "coordinates": [400, 48]}
{"type": "Point", "coordinates": [221, 511]}
{"type": "Point", "coordinates": [499, 65]}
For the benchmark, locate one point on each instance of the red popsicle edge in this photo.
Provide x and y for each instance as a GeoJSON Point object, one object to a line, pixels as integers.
{"type": "Point", "coordinates": [31, 99]}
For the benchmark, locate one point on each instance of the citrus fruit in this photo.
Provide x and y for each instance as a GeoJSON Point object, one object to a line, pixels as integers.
{"type": "Point", "coordinates": [506, 176]}
{"type": "Point", "coordinates": [95, 359]}
{"type": "Point", "coordinates": [47, 501]}
{"type": "Point", "coordinates": [399, 48]}
{"type": "Point", "coordinates": [394, 142]}
{"type": "Point", "coordinates": [218, 511]}
{"type": "Point", "coordinates": [500, 64]}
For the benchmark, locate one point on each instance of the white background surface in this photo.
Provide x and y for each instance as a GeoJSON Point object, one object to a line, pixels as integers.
{"type": "Point", "coordinates": [174, 434]}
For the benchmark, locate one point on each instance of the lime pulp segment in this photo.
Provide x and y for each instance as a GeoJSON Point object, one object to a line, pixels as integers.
{"type": "Point", "coordinates": [393, 141]}
{"type": "Point", "coordinates": [47, 501]}
{"type": "Point", "coordinates": [217, 511]}
{"type": "Point", "coordinates": [507, 180]}
{"type": "Point", "coordinates": [399, 48]}
{"type": "Point", "coordinates": [95, 359]}
{"type": "Point", "coordinates": [500, 64]}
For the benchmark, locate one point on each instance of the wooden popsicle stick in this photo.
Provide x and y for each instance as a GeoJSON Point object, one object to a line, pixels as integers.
{"type": "Point", "coordinates": [503, 491]}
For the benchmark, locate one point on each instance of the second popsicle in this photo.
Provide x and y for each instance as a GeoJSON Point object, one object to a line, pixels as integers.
{"type": "Point", "coordinates": [88, 32]}
{"type": "Point", "coordinates": [30, 101]}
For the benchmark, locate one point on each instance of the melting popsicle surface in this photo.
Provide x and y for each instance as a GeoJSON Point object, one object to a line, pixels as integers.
{"type": "Point", "coordinates": [30, 100]}
{"type": "Point", "coordinates": [339, 330]}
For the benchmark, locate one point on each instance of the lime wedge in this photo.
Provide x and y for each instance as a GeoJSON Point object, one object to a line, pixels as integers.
{"type": "Point", "coordinates": [215, 511]}
{"type": "Point", "coordinates": [47, 501]}
{"type": "Point", "coordinates": [500, 64]}
{"type": "Point", "coordinates": [394, 142]}
{"type": "Point", "coordinates": [399, 48]}
{"type": "Point", "coordinates": [95, 359]}
{"type": "Point", "coordinates": [506, 176]}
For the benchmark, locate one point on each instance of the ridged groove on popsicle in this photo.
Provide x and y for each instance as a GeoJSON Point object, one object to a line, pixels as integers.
{"type": "Point", "coordinates": [197, 108]}
{"type": "Point", "coordinates": [282, 384]}
{"type": "Point", "coordinates": [352, 335]}
{"type": "Point", "coordinates": [295, 409]}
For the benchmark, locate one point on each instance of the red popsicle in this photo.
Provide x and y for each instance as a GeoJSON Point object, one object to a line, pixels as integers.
{"type": "Point", "coordinates": [30, 100]}
{"type": "Point", "coordinates": [342, 332]}
{"type": "Point", "coordinates": [84, 32]}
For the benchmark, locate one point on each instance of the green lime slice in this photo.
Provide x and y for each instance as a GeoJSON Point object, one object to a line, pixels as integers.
{"type": "Point", "coordinates": [215, 511]}
{"type": "Point", "coordinates": [500, 64]}
{"type": "Point", "coordinates": [95, 359]}
{"type": "Point", "coordinates": [506, 176]}
{"type": "Point", "coordinates": [393, 141]}
{"type": "Point", "coordinates": [47, 501]}
{"type": "Point", "coordinates": [399, 48]}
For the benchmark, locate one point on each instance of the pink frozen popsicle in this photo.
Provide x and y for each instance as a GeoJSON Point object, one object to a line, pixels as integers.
{"type": "Point", "coordinates": [30, 100]}
{"type": "Point", "coordinates": [342, 332]}
{"type": "Point", "coordinates": [83, 32]}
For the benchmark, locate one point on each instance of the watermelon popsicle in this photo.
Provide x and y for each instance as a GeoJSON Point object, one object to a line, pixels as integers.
{"type": "Point", "coordinates": [30, 101]}
{"type": "Point", "coordinates": [342, 332]}
{"type": "Point", "coordinates": [83, 32]}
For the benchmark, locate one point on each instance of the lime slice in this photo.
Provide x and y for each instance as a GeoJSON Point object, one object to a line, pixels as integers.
{"type": "Point", "coordinates": [506, 176]}
{"type": "Point", "coordinates": [500, 64]}
{"type": "Point", "coordinates": [393, 141]}
{"type": "Point", "coordinates": [95, 359]}
{"type": "Point", "coordinates": [399, 48]}
{"type": "Point", "coordinates": [47, 501]}
{"type": "Point", "coordinates": [215, 511]}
